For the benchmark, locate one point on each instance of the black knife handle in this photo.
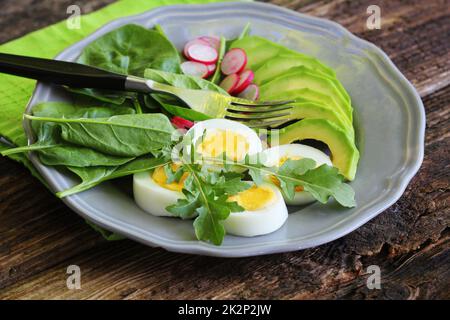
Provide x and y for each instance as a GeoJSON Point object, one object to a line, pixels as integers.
{"type": "Point", "coordinates": [61, 72]}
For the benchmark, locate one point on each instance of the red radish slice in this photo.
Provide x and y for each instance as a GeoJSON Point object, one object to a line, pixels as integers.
{"type": "Point", "coordinates": [246, 78]}
{"type": "Point", "coordinates": [251, 93]}
{"type": "Point", "coordinates": [213, 41]}
{"type": "Point", "coordinates": [211, 69]}
{"type": "Point", "coordinates": [202, 53]}
{"type": "Point", "coordinates": [230, 82]}
{"type": "Point", "coordinates": [195, 69]}
{"type": "Point", "coordinates": [234, 61]}
{"type": "Point", "coordinates": [192, 42]}
{"type": "Point", "coordinates": [181, 123]}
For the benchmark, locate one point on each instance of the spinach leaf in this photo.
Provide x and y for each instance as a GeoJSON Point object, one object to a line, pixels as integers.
{"type": "Point", "coordinates": [123, 135]}
{"type": "Point", "coordinates": [93, 176]}
{"type": "Point", "coordinates": [128, 50]}
{"type": "Point", "coordinates": [52, 150]}
{"type": "Point", "coordinates": [185, 113]}
{"type": "Point", "coordinates": [182, 81]}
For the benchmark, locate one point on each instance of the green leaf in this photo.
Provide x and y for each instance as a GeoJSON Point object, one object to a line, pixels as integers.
{"type": "Point", "coordinates": [108, 235]}
{"type": "Point", "coordinates": [173, 176]}
{"type": "Point", "coordinates": [183, 112]}
{"type": "Point", "coordinates": [128, 50]}
{"type": "Point", "coordinates": [185, 208]}
{"type": "Point", "coordinates": [93, 176]}
{"type": "Point", "coordinates": [122, 135]}
{"type": "Point", "coordinates": [207, 226]}
{"type": "Point", "coordinates": [182, 81]}
{"type": "Point", "coordinates": [324, 182]}
{"type": "Point", "coordinates": [222, 49]}
{"type": "Point", "coordinates": [231, 186]}
{"type": "Point", "coordinates": [53, 151]}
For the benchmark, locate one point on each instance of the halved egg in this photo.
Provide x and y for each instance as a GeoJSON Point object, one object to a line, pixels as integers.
{"type": "Point", "coordinates": [276, 156]}
{"type": "Point", "coordinates": [153, 194]}
{"type": "Point", "coordinates": [212, 138]}
{"type": "Point", "coordinates": [265, 211]}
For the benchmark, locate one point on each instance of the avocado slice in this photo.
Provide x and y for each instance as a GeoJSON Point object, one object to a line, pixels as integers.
{"type": "Point", "coordinates": [278, 65]}
{"type": "Point", "coordinates": [314, 110]}
{"type": "Point", "coordinates": [344, 153]}
{"type": "Point", "coordinates": [259, 50]}
{"type": "Point", "coordinates": [284, 65]}
{"type": "Point", "coordinates": [301, 78]}
{"type": "Point", "coordinates": [307, 95]}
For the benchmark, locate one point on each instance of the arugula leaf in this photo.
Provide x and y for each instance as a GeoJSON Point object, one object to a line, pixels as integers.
{"type": "Point", "coordinates": [322, 182]}
{"type": "Point", "coordinates": [325, 182]}
{"type": "Point", "coordinates": [173, 176]}
{"type": "Point", "coordinates": [206, 195]}
{"type": "Point", "coordinates": [93, 176]}
{"type": "Point", "coordinates": [122, 135]}
{"type": "Point", "coordinates": [292, 168]}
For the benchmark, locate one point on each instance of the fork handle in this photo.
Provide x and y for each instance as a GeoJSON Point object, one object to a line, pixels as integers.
{"type": "Point", "coordinates": [61, 72]}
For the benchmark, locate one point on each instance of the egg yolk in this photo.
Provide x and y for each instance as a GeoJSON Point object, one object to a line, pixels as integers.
{"type": "Point", "coordinates": [216, 143]}
{"type": "Point", "coordinates": [275, 180]}
{"type": "Point", "coordinates": [160, 177]}
{"type": "Point", "coordinates": [253, 198]}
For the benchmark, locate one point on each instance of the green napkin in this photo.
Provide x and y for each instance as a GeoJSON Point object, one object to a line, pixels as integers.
{"type": "Point", "coordinates": [47, 43]}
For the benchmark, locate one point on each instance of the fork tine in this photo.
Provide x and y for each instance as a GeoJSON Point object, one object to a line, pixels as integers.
{"type": "Point", "coordinates": [257, 116]}
{"type": "Point", "coordinates": [258, 109]}
{"type": "Point", "coordinates": [273, 123]}
{"type": "Point", "coordinates": [244, 102]}
{"type": "Point", "coordinates": [262, 121]}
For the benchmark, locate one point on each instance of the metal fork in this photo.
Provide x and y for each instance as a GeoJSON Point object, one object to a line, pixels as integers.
{"type": "Point", "coordinates": [216, 105]}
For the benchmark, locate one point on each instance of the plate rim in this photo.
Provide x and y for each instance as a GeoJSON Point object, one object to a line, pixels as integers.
{"type": "Point", "coordinates": [411, 163]}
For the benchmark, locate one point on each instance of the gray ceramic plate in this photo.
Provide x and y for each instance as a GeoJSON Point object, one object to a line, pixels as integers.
{"type": "Point", "coordinates": [389, 121]}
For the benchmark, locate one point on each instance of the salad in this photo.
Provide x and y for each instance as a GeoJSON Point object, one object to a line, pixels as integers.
{"type": "Point", "coordinates": [226, 177]}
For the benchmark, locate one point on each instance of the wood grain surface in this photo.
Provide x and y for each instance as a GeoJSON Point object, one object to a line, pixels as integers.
{"type": "Point", "coordinates": [40, 237]}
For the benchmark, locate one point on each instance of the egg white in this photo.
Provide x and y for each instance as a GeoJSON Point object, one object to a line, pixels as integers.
{"type": "Point", "coordinates": [151, 197]}
{"type": "Point", "coordinates": [265, 220]}
{"type": "Point", "coordinates": [272, 158]}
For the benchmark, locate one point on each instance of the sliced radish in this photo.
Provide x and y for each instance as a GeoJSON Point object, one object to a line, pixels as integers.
{"type": "Point", "coordinates": [202, 53]}
{"type": "Point", "coordinates": [195, 69]}
{"type": "Point", "coordinates": [230, 82]}
{"type": "Point", "coordinates": [192, 42]}
{"type": "Point", "coordinates": [246, 78]}
{"type": "Point", "coordinates": [181, 123]}
{"type": "Point", "coordinates": [211, 69]}
{"type": "Point", "coordinates": [213, 41]}
{"type": "Point", "coordinates": [251, 93]}
{"type": "Point", "coordinates": [234, 61]}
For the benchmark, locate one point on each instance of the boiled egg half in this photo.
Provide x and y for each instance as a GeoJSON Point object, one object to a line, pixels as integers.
{"type": "Point", "coordinates": [276, 156]}
{"type": "Point", "coordinates": [153, 194]}
{"type": "Point", "coordinates": [264, 211]}
{"type": "Point", "coordinates": [212, 138]}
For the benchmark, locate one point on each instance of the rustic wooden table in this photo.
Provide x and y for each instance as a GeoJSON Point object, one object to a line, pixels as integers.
{"type": "Point", "coordinates": [40, 237]}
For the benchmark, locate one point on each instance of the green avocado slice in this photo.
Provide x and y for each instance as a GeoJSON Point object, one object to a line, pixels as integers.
{"type": "Point", "coordinates": [280, 64]}
{"type": "Point", "coordinates": [301, 78]}
{"type": "Point", "coordinates": [344, 153]}
{"type": "Point", "coordinates": [314, 110]}
{"type": "Point", "coordinates": [259, 50]}
{"type": "Point", "coordinates": [308, 95]}
{"type": "Point", "coordinates": [283, 65]}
